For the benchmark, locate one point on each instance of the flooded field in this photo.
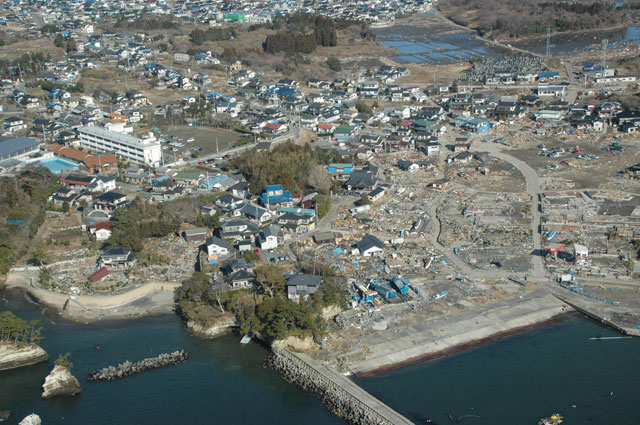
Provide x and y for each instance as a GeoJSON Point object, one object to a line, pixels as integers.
{"type": "Point", "coordinates": [432, 47]}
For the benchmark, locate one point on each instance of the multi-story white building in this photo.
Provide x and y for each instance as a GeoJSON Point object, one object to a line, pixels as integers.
{"type": "Point", "coordinates": [142, 151]}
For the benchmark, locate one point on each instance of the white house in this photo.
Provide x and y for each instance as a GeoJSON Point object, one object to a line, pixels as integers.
{"type": "Point", "coordinates": [268, 238]}
{"type": "Point", "coordinates": [216, 247]}
{"type": "Point", "coordinates": [102, 234]}
{"type": "Point", "coordinates": [370, 245]}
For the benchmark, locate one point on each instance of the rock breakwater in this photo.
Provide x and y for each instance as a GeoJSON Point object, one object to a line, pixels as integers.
{"type": "Point", "coordinates": [344, 398]}
{"type": "Point", "coordinates": [129, 368]}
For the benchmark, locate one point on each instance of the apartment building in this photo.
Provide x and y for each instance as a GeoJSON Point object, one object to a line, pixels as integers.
{"type": "Point", "coordinates": [144, 150]}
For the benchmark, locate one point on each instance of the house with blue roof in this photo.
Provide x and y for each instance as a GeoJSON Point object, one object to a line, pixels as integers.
{"type": "Point", "coordinates": [276, 195]}
{"type": "Point", "coordinates": [217, 183]}
{"type": "Point", "coordinates": [548, 75]}
{"type": "Point", "coordinates": [477, 125]}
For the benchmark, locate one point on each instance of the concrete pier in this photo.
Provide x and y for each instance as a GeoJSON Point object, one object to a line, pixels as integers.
{"type": "Point", "coordinates": [341, 395]}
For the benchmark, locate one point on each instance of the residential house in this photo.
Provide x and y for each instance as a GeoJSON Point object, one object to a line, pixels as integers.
{"type": "Point", "coordinates": [268, 238]}
{"type": "Point", "coordinates": [254, 212]}
{"type": "Point", "coordinates": [302, 286]}
{"type": "Point", "coordinates": [116, 256]}
{"type": "Point", "coordinates": [369, 245]}
{"type": "Point", "coordinates": [216, 248]}
{"type": "Point", "coordinates": [238, 229]}
{"type": "Point", "coordinates": [101, 230]}
{"type": "Point", "coordinates": [241, 279]}
{"type": "Point", "coordinates": [376, 194]}
{"type": "Point", "coordinates": [303, 221]}
{"type": "Point", "coordinates": [110, 201]}
{"type": "Point", "coordinates": [408, 166]}
{"type": "Point", "coordinates": [195, 234]}
{"type": "Point", "coordinates": [277, 196]}
{"type": "Point", "coordinates": [362, 181]}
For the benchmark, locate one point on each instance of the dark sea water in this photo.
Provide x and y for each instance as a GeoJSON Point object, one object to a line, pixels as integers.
{"type": "Point", "coordinates": [509, 382]}
{"type": "Point", "coordinates": [524, 378]}
{"type": "Point", "coordinates": [224, 382]}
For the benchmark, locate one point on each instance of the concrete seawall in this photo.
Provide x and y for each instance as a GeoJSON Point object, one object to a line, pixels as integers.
{"type": "Point", "coordinates": [442, 336]}
{"type": "Point", "coordinates": [339, 394]}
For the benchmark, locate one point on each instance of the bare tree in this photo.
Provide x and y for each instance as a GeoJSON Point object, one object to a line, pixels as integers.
{"type": "Point", "coordinates": [318, 178]}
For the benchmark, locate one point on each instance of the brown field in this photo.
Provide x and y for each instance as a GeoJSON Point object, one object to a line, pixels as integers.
{"type": "Point", "coordinates": [205, 138]}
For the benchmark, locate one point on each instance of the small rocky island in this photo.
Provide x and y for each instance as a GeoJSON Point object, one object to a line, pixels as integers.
{"type": "Point", "coordinates": [19, 342]}
{"type": "Point", "coordinates": [60, 381]}
{"type": "Point", "coordinates": [32, 419]}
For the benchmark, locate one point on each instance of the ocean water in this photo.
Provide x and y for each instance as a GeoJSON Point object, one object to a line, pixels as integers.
{"type": "Point", "coordinates": [523, 379]}
{"type": "Point", "coordinates": [509, 382]}
{"type": "Point", "coordinates": [223, 382]}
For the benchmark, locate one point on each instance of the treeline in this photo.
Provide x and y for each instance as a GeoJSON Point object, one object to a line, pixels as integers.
{"type": "Point", "coordinates": [522, 19]}
{"type": "Point", "coordinates": [303, 33]}
{"type": "Point", "coordinates": [289, 43]}
{"type": "Point", "coordinates": [199, 36]}
{"type": "Point", "coordinates": [22, 198]}
{"type": "Point", "coordinates": [147, 23]}
{"type": "Point", "coordinates": [287, 164]}
{"type": "Point", "coordinates": [19, 331]}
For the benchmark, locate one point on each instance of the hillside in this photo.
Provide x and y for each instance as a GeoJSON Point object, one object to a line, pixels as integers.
{"type": "Point", "coordinates": [515, 19]}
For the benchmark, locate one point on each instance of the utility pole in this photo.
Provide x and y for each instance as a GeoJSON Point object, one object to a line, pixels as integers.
{"type": "Point", "coordinates": [217, 151]}
{"type": "Point", "coordinates": [548, 42]}
{"type": "Point", "coordinates": [605, 43]}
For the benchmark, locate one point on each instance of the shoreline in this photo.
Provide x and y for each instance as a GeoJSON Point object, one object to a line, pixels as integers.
{"type": "Point", "coordinates": [468, 345]}
{"type": "Point", "coordinates": [443, 336]}
{"type": "Point", "coordinates": [152, 299]}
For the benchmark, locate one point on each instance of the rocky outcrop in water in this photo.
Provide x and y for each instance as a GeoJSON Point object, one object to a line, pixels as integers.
{"type": "Point", "coordinates": [32, 419]}
{"type": "Point", "coordinates": [339, 401]}
{"type": "Point", "coordinates": [12, 355]}
{"type": "Point", "coordinates": [128, 368]}
{"type": "Point", "coordinates": [60, 382]}
{"type": "Point", "coordinates": [212, 330]}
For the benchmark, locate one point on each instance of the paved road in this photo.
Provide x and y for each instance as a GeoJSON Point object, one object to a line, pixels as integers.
{"type": "Point", "coordinates": [533, 189]}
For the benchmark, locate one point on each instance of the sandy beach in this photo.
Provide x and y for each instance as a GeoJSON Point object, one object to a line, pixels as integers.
{"type": "Point", "coordinates": [151, 298]}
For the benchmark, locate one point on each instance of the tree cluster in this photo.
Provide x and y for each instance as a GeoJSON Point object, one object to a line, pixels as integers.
{"type": "Point", "coordinates": [289, 43]}
{"type": "Point", "coordinates": [27, 64]}
{"type": "Point", "coordinates": [303, 32]}
{"type": "Point", "coordinates": [264, 309]}
{"type": "Point", "coordinates": [289, 164]}
{"type": "Point", "coordinates": [199, 36]}
{"type": "Point", "coordinates": [18, 331]}
{"type": "Point", "coordinates": [139, 221]}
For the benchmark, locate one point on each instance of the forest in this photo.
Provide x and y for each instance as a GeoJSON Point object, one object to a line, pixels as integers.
{"type": "Point", "coordinates": [508, 18]}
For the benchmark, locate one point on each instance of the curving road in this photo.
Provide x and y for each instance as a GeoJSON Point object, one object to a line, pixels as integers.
{"type": "Point", "coordinates": [533, 189]}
